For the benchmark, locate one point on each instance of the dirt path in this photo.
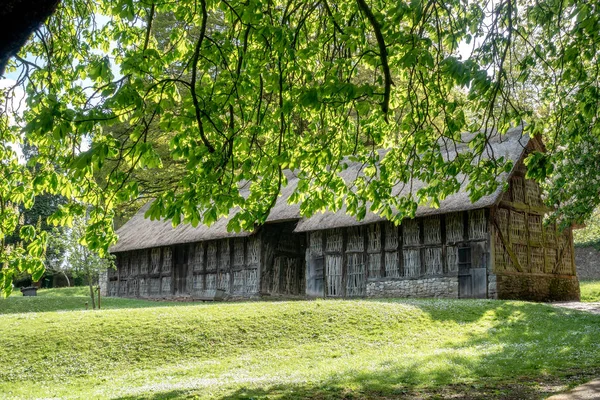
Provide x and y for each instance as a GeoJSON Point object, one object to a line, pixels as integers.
{"type": "Point", "coordinates": [593, 308]}
{"type": "Point", "coordinates": [588, 391]}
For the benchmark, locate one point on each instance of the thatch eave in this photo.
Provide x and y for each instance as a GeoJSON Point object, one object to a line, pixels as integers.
{"type": "Point", "coordinates": [142, 233]}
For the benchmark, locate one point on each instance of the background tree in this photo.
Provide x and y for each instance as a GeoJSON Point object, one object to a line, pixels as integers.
{"type": "Point", "coordinates": [43, 206]}
{"type": "Point", "coordinates": [55, 261]}
{"type": "Point", "coordinates": [82, 261]}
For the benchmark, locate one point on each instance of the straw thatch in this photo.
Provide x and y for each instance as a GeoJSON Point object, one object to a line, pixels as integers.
{"type": "Point", "coordinates": [141, 233]}
{"type": "Point", "coordinates": [511, 146]}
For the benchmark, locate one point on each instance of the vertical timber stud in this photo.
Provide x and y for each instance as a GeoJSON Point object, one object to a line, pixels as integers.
{"type": "Point", "coordinates": [365, 255]}
{"type": "Point", "coordinates": [148, 253]}
{"type": "Point", "coordinates": [423, 270]}
{"type": "Point", "coordinates": [307, 259]}
{"type": "Point", "coordinates": [218, 255]}
{"type": "Point", "coordinates": [383, 238]}
{"type": "Point", "coordinates": [204, 266]}
{"type": "Point", "coordinates": [344, 261]}
{"type": "Point", "coordinates": [324, 247]}
{"type": "Point", "coordinates": [491, 239]}
{"type": "Point", "coordinates": [486, 237]}
{"type": "Point", "coordinates": [231, 259]}
{"type": "Point", "coordinates": [259, 258]}
{"type": "Point", "coordinates": [489, 250]}
{"type": "Point", "coordinates": [545, 246]}
{"type": "Point", "coordinates": [400, 250]}
{"type": "Point", "coordinates": [230, 271]}
{"type": "Point", "coordinates": [443, 239]}
{"type": "Point", "coordinates": [161, 261]}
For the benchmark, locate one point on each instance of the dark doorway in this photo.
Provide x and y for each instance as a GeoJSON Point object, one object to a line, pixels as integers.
{"type": "Point", "coordinates": [180, 271]}
{"type": "Point", "coordinates": [315, 272]}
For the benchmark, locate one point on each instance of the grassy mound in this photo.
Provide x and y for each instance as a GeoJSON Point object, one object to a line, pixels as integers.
{"type": "Point", "coordinates": [58, 292]}
{"type": "Point", "coordinates": [70, 299]}
{"type": "Point", "coordinates": [304, 349]}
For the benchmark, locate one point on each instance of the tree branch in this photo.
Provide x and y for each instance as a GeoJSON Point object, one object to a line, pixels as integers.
{"type": "Point", "coordinates": [149, 27]}
{"type": "Point", "coordinates": [208, 145]}
{"type": "Point", "coordinates": [385, 105]}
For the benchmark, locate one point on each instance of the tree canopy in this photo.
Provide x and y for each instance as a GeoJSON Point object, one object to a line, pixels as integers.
{"type": "Point", "coordinates": [228, 92]}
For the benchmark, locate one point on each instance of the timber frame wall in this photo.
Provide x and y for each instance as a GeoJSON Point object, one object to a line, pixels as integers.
{"type": "Point", "coordinates": [268, 263]}
{"type": "Point", "coordinates": [342, 261]}
{"type": "Point", "coordinates": [532, 260]}
{"type": "Point", "coordinates": [504, 251]}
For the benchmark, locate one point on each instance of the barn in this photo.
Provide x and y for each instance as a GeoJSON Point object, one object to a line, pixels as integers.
{"type": "Point", "coordinates": [497, 247]}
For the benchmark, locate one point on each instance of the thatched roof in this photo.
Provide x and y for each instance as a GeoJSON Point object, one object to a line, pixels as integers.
{"type": "Point", "coordinates": [511, 146]}
{"type": "Point", "coordinates": [141, 233]}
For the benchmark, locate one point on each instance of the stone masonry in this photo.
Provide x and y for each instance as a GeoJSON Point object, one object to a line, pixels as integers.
{"type": "Point", "coordinates": [537, 287]}
{"type": "Point", "coordinates": [446, 287]}
{"type": "Point", "coordinates": [492, 287]}
{"type": "Point", "coordinates": [587, 261]}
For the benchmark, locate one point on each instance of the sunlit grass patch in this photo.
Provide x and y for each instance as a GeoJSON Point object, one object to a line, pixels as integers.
{"type": "Point", "coordinates": [590, 291]}
{"type": "Point", "coordinates": [302, 349]}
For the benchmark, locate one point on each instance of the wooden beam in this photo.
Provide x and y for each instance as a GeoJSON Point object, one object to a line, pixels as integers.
{"type": "Point", "coordinates": [521, 207]}
{"type": "Point", "coordinates": [507, 247]}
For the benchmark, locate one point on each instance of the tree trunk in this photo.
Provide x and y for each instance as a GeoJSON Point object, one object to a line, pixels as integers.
{"type": "Point", "coordinates": [67, 278]}
{"type": "Point", "coordinates": [90, 283]}
{"type": "Point", "coordinates": [89, 278]}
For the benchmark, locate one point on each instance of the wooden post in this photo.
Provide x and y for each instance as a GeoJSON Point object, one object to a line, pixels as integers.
{"type": "Point", "coordinates": [323, 250]}
{"type": "Point", "coordinates": [344, 260]}
{"type": "Point", "coordinates": [99, 304]}
{"type": "Point", "coordinates": [382, 239]}
{"type": "Point", "coordinates": [443, 241]}
{"type": "Point", "coordinates": [400, 230]}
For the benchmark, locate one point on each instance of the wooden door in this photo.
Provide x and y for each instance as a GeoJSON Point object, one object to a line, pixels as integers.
{"type": "Point", "coordinates": [315, 273]}
{"type": "Point", "coordinates": [472, 282]}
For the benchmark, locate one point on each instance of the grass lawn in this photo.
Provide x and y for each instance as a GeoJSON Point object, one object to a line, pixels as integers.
{"type": "Point", "coordinates": [590, 291]}
{"type": "Point", "coordinates": [325, 349]}
{"type": "Point", "coordinates": [58, 292]}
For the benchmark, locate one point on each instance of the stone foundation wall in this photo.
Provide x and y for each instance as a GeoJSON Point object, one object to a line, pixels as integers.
{"type": "Point", "coordinates": [537, 287]}
{"type": "Point", "coordinates": [587, 262]}
{"type": "Point", "coordinates": [492, 287]}
{"type": "Point", "coordinates": [103, 283]}
{"type": "Point", "coordinates": [446, 287]}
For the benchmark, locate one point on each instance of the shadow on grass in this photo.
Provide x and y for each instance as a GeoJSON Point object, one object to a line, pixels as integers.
{"type": "Point", "coordinates": [529, 352]}
{"type": "Point", "coordinates": [390, 384]}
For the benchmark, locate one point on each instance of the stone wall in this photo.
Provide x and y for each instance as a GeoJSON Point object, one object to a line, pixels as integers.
{"type": "Point", "coordinates": [587, 262]}
{"type": "Point", "coordinates": [103, 283]}
{"type": "Point", "coordinates": [492, 287]}
{"type": "Point", "coordinates": [446, 287]}
{"type": "Point", "coordinates": [537, 287]}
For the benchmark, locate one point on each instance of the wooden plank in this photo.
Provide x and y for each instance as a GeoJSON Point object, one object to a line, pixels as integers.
{"type": "Point", "coordinates": [464, 286]}
{"type": "Point", "coordinates": [479, 283]}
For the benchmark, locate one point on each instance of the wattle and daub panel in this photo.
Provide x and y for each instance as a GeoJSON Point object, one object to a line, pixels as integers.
{"type": "Point", "coordinates": [341, 261]}
{"type": "Point", "coordinates": [522, 242]}
{"type": "Point", "coordinates": [144, 273]}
